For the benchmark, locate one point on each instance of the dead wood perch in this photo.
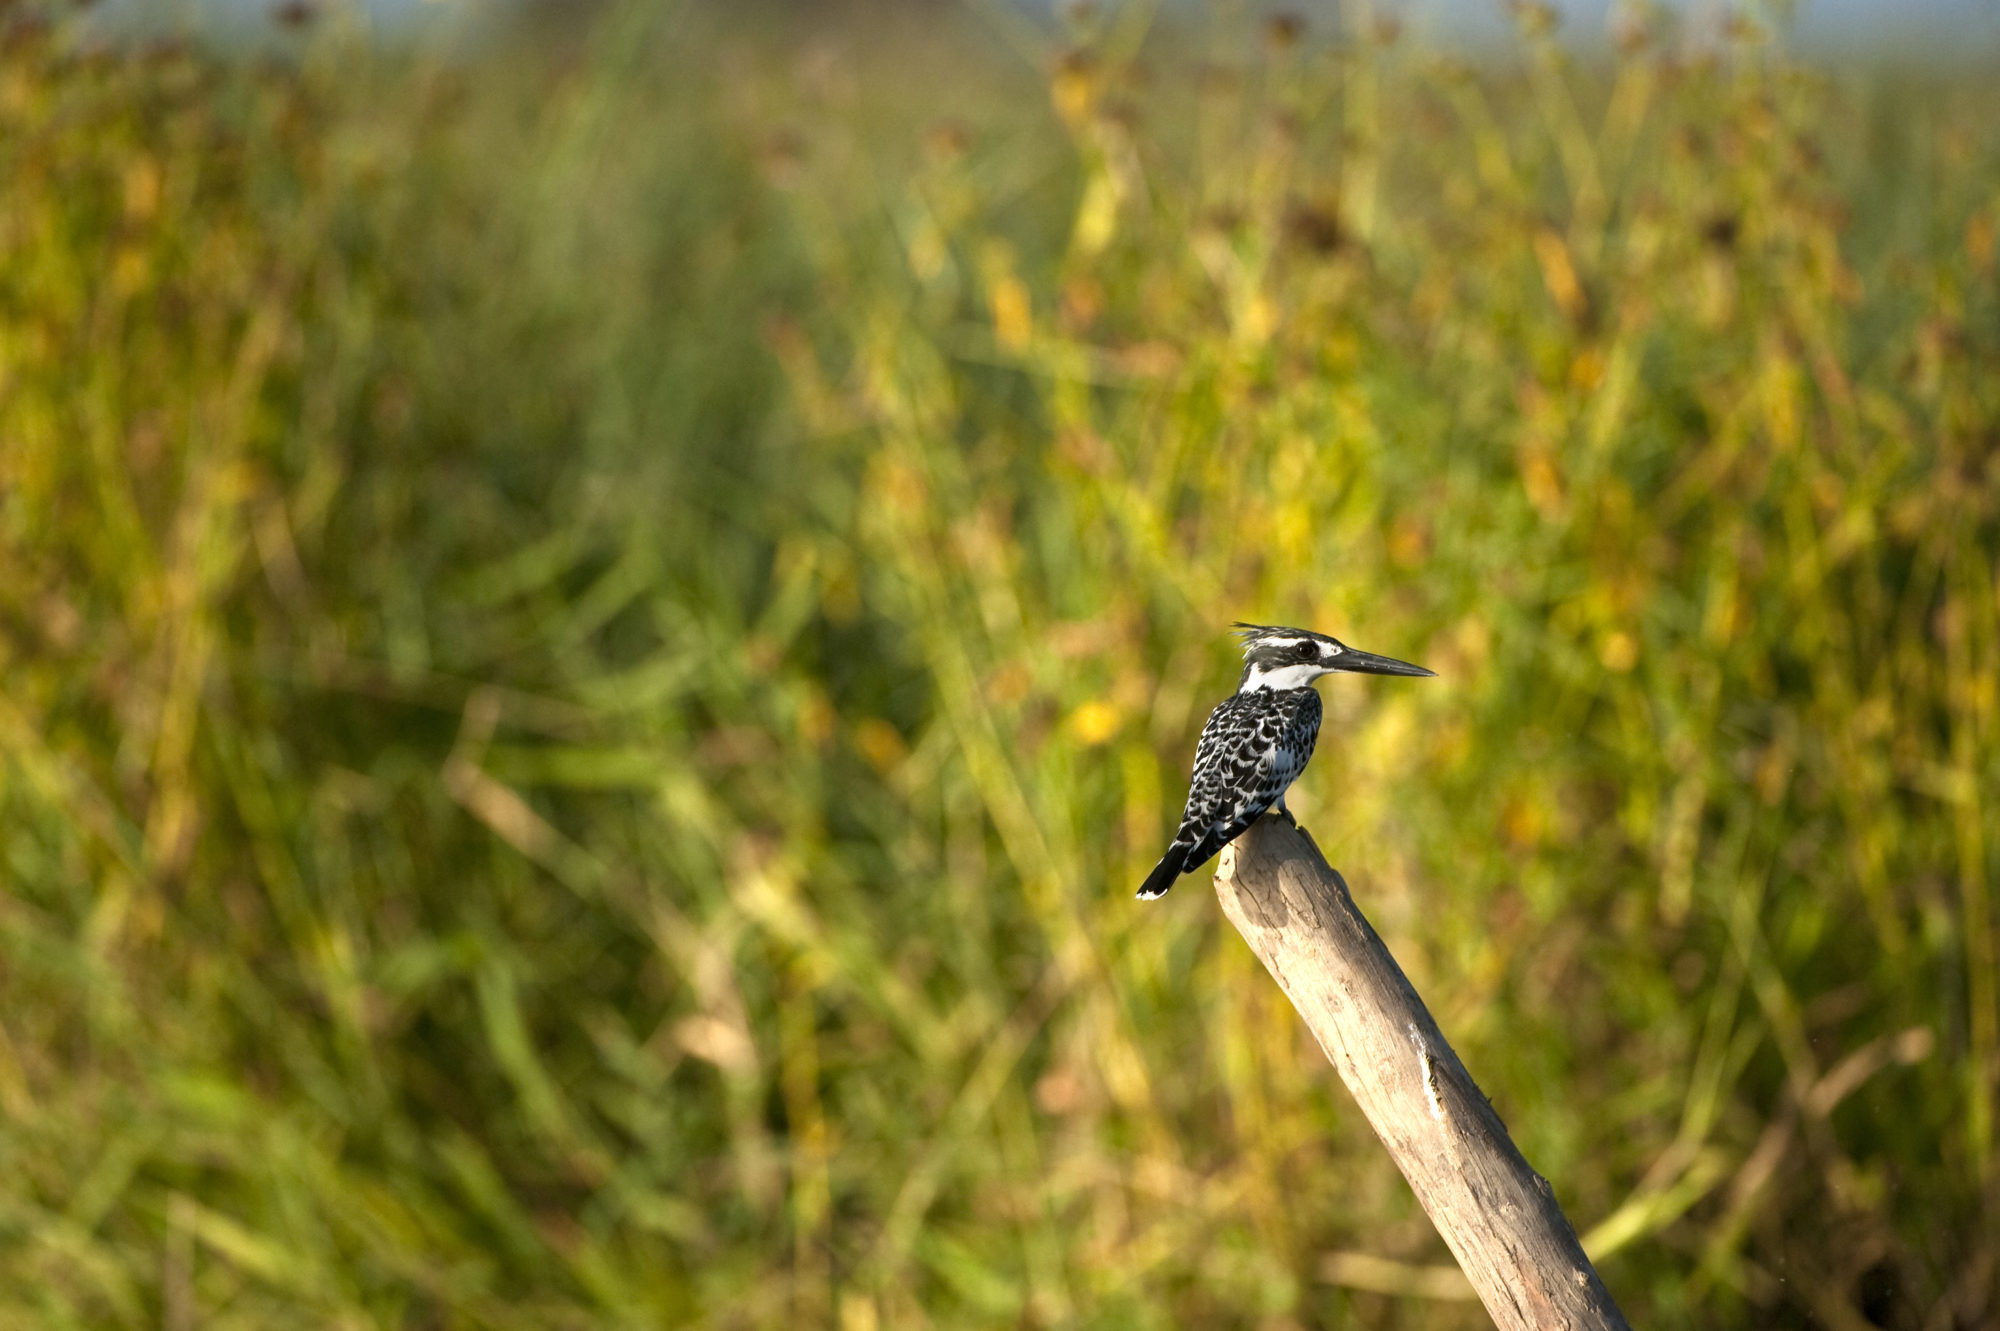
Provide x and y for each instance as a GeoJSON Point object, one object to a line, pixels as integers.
{"type": "Point", "coordinates": [1497, 1215]}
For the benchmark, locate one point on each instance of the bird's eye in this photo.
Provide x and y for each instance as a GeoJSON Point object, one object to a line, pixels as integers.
{"type": "Point", "coordinates": [1306, 651]}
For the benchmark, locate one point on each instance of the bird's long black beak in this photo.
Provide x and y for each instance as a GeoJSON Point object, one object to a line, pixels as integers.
{"type": "Point", "coordinates": [1367, 663]}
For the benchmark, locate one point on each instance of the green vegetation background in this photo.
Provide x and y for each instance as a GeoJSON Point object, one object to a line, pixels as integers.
{"type": "Point", "coordinates": [598, 630]}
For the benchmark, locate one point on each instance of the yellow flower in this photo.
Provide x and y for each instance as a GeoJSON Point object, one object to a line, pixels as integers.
{"type": "Point", "coordinates": [1619, 651]}
{"type": "Point", "coordinates": [1095, 721]}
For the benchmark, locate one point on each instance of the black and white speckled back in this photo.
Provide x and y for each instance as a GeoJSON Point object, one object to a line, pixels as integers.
{"type": "Point", "coordinates": [1254, 746]}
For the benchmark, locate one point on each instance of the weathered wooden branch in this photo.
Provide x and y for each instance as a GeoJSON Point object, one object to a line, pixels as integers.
{"type": "Point", "coordinates": [1498, 1216]}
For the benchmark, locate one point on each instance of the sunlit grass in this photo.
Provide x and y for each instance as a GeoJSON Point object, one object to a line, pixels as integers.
{"type": "Point", "coordinates": [596, 643]}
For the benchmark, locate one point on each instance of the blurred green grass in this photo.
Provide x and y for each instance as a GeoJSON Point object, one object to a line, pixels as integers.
{"type": "Point", "coordinates": [598, 633]}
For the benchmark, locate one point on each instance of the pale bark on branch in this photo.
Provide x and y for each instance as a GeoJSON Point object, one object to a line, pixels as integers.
{"type": "Point", "coordinates": [1497, 1215]}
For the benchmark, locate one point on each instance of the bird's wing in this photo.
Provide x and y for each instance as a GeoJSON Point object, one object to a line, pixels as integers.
{"type": "Point", "coordinates": [1230, 727]}
{"type": "Point", "coordinates": [1253, 748]}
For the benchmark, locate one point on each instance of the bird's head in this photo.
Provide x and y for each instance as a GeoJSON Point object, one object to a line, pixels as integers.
{"type": "Point", "coordinates": [1282, 658]}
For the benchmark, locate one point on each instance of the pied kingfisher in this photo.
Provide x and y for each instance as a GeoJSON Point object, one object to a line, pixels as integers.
{"type": "Point", "coordinates": [1257, 741]}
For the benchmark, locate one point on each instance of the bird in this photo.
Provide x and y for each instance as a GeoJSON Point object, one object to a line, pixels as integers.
{"type": "Point", "coordinates": [1258, 739]}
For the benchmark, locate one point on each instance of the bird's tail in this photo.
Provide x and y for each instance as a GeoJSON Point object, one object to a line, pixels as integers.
{"type": "Point", "coordinates": [1164, 873]}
